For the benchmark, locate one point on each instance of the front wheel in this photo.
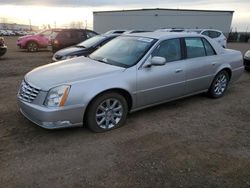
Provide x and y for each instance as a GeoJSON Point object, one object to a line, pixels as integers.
{"type": "Point", "coordinates": [32, 47]}
{"type": "Point", "coordinates": [219, 85]}
{"type": "Point", "coordinates": [108, 111]}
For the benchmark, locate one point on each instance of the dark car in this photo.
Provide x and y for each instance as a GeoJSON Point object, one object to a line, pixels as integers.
{"type": "Point", "coordinates": [3, 47]}
{"type": "Point", "coordinates": [247, 60]}
{"type": "Point", "coordinates": [84, 48]}
{"type": "Point", "coordinates": [69, 37]}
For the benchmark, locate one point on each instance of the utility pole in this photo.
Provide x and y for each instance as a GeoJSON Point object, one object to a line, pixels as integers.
{"type": "Point", "coordinates": [30, 24]}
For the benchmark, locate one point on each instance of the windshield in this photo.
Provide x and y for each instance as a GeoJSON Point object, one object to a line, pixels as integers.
{"type": "Point", "coordinates": [91, 42]}
{"type": "Point", "coordinates": [123, 51]}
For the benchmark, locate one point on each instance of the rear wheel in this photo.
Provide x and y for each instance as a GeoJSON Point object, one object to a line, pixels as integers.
{"type": "Point", "coordinates": [108, 111]}
{"type": "Point", "coordinates": [219, 85]}
{"type": "Point", "coordinates": [32, 47]}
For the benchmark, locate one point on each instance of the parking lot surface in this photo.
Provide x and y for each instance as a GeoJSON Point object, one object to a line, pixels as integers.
{"type": "Point", "coordinates": [193, 142]}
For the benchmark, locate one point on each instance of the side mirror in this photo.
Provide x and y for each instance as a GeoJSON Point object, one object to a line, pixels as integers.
{"type": "Point", "coordinates": [158, 61]}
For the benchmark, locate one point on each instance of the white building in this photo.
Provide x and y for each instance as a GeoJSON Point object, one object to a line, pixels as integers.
{"type": "Point", "coordinates": [152, 19]}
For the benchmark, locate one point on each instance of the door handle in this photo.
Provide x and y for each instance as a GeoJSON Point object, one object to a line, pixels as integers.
{"type": "Point", "coordinates": [178, 70]}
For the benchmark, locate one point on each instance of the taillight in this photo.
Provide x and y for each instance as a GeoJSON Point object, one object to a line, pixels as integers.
{"type": "Point", "coordinates": [56, 42]}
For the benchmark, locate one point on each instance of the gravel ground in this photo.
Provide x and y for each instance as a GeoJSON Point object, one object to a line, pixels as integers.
{"type": "Point", "coordinates": [193, 142]}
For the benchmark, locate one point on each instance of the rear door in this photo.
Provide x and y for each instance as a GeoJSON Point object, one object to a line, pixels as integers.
{"type": "Point", "coordinates": [200, 64]}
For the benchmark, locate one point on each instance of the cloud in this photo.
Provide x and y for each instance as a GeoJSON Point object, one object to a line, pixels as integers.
{"type": "Point", "coordinates": [98, 3]}
{"type": "Point", "coordinates": [127, 4]}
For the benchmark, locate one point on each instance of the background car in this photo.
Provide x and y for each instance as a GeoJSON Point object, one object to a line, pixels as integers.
{"type": "Point", "coordinates": [216, 35]}
{"type": "Point", "coordinates": [68, 37]}
{"type": "Point", "coordinates": [3, 47]}
{"type": "Point", "coordinates": [84, 48]}
{"type": "Point", "coordinates": [129, 73]}
{"type": "Point", "coordinates": [247, 60]}
{"type": "Point", "coordinates": [35, 42]}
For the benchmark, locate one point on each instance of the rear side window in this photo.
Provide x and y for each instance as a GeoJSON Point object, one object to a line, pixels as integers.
{"type": "Point", "coordinates": [64, 34]}
{"type": "Point", "coordinates": [205, 33]}
{"type": "Point", "coordinates": [169, 49]}
{"type": "Point", "coordinates": [214, 34]}
{"type": "Point", "coordinates": [78, 34]}
{"type": "Point", "coordinates": [209, 48]}
{"type": "Point", "coordinates": [195, 47]}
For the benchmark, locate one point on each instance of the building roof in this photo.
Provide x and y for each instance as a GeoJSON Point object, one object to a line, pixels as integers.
{"type": "Point", "coordinates": [150, 9]}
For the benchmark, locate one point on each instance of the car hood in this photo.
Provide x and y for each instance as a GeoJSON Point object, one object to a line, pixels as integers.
{"type": "Point", "coordinates": [70, 50]}
{"type": "Point", "coordinates": [68, 71]}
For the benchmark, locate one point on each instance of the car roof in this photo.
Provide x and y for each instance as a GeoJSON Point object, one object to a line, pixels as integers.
{"type": "Point", "coordinates": [110, 35]}
{"type": "Point", "coordinates": [164, 35]}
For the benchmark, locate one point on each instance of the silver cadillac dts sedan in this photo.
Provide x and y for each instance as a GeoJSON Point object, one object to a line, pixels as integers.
{"type": "Point", "coordinates": [129, 73]}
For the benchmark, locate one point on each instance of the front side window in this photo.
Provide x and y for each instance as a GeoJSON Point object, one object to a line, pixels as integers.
{"type": "Point", "coordinates": [169, 49]}
{"type": "Point", "coordinates": [123, 51]}
{"type": "Point", "coordinates": [194, 47]}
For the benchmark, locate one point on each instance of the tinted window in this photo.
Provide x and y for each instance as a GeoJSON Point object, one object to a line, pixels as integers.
{"type": "Point", "coordinates": [209, 48]}
{"type": "Point", "coordinates": [205, 33]}
{"type": "Point", "coordinates": [195, 47]}
{"type": "Point", "coordinates": [91, 42]}
{"type": "Point", "coordinates": [214, 34]}
{"type": "Point", "coordinates": [169, 49]}
{"type": "Point", "coordinates": [78, 34]}
{"type": "Point", "coordinates": [65, 34]}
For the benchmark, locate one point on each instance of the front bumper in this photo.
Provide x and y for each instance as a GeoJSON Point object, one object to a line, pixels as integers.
{"type": "Point", "coordinates": [52, 118]}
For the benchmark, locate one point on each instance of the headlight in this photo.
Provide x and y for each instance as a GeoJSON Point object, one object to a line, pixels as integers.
{"type": "Point", "coordinates": [69, 57]}
{"type": "Point", "coordinates": [57, 96]}
{"type": "Point", "coordinates": [247, 54]}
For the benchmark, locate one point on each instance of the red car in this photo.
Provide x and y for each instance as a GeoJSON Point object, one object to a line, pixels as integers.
{"type": "Point", "coordinates": [34, 42]}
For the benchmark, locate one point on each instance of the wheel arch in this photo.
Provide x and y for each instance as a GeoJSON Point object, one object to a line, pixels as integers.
{"type": "Point", "coordinates": [123, 92]}
{"type": "Point", "coordinates": [33, 40]}
{"type": "Point", "coordinates": [226, 68]}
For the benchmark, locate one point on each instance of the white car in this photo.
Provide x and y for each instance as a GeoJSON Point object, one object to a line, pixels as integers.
{"type": "Point", "coordinates": [216, 35]}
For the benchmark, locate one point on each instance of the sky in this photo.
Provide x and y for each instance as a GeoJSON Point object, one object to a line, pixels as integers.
{"type": "Point", "coordinates": [61, 13]}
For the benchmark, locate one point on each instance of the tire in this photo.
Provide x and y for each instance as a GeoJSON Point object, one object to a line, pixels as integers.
{"type": "Point", "coordinates": [247, 68]}
{"type": "Point", "coordinates": [219, 85]}
{"type": "Point", "coordinates": [108, 111]}
{"type": "Point", "coordinates": [32, 46]}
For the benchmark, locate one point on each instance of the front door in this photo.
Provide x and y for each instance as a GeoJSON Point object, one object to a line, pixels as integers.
{"type": "Point", "coordinates": [156, 84]}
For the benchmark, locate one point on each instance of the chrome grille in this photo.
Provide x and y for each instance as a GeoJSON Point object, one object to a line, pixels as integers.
{"type": "Point", "coordinates": [27, 92]}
